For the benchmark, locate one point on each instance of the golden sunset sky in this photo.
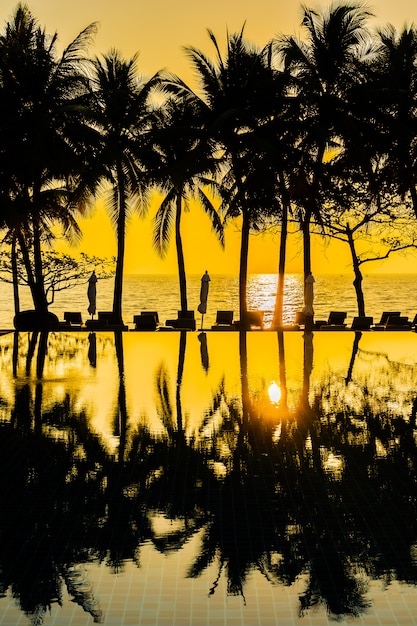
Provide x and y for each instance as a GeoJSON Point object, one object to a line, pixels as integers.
{"type": "Point", "coordinates": [158, 31]}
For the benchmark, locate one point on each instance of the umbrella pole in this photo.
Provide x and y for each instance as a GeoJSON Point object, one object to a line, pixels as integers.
{"type": "Point", "coordinates": [202, 317]}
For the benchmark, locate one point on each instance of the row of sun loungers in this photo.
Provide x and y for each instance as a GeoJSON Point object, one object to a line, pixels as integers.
{"type": "Point", "coordinates": [186, 321]}
{"type": "Point", "coordinates": [390, 320]}
{"type": "Point", "coordinates": [149, 321]}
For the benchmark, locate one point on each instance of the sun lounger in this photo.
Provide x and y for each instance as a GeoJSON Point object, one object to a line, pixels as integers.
{"type": "Point", "coordinates": [73, 319]}
{"type": "Point", "coordinates": [398, 322]}
{"type": "Point", "coordinates": [105, 321]}
{"type": "Point", "coordinates": [154, 313]}
{"type": "Point", "coordinates": [300, 318]}
{"type": "Point", "coordinates": [336, 321]}
{"type": "Point", "coordinates": [188, 315]}
{"type": "Point", "coordinates": [362, 322]}
{"type": "Point", "coordinates": [145, 321]}
{"type": "Point", "coordinates": [224, 321]}
{"type": "Point", "coordinates": [105, 316]}
{"type": "Point", "coordinates": [184, 321]}
{"type": "Point", "coordinates": [92, 324]}
{"type": "Point", "coordinates": [185, 324]}
{"type": "Point", "coordinates": [384, 318]}
{"type": "Point", "coordinates": [254, 319]}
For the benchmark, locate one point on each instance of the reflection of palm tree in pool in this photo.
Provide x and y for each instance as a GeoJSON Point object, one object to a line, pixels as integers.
{"type": "Point", "coordinates": [125, 524]}
{"type": "Point", "coordinates": [33, 339]}
{"type": "Point", "coordinates": [269, 490]}
{"type": "Point", "coordinates": [306, 416]}
{"type": "Point", "coordinates": [355, 349]}
{"type": "Point", "coordinates": [183, 475]}
{"type": "Point", "coordinates": [283, 412]}
{"type": "Point", "coordinates": [120, 418]}
{"type": "Point", "coordinates": [48, 519]}
{"type": "Point", "coordinates": [368, 506]}
{"type": "Point", "coordinates": [172, 421]}
{"type": "Point", "coordinates": [75, 507]}
{"type": "Point", "coordinates": [84, 509]}
{"type": "Point", "coordinates": [324, 549]}
{"type": "Point", "coordinates": [282, 505]}
{"type": "Point", "coordinates": [242, 525]}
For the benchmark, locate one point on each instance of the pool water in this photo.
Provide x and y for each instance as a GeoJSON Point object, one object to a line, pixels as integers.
{"type": "Point", "coordinates": [208, 478]}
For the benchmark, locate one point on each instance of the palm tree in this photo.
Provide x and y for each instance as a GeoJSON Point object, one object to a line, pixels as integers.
{"type": "Point", "coordinates": [393, 89]}
{"type": "Point", "coordinates": [236, 101]}
{"type": "Point", "coordinates": [181, 163]}
{"type": "Point", "coordinates": [120, 101]}
{"type": "Point", "coordinates": [44, 138]}
{"type": "Point", "coordinates": [324, 67]}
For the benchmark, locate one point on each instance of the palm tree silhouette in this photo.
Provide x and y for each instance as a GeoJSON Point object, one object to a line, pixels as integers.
{"type": "Point", "coordinates": [44, 139]}
{"type": "Point", "coordinates": [181, 164]}
{"type": "Point", "coordinates": [121, 108]}
{"type": "Point", "coordinates": [392, 87]}
{"type": "Point", "coordinates": [323, 68]}
{"type": "Point", "coordinates": [236, 98]}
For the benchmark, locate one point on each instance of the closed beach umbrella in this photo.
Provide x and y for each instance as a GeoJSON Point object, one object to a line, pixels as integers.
{"type": "Point", "coordinates": [202, 307]}
{"type": "Point", "coordinates": [92, 293]}
{"type": "Point", "coordinates": [309, 295]}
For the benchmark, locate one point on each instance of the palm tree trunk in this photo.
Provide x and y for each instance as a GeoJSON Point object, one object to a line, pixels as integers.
{"type": "Point", "coordinates": [180, 255]}
{"type": "Point", "coordinates": [413, 194]}
{"type": "Point", "coordinates": [35, 273]}
{"type": "Point", "coordinates": [121, 231]}
{"type": "Point", "coordinates": [243, 271]}
{"type": "Point", "coordinates": [309, 319]}
{"type": "Point", "coordinates": [27, 264]}
{"type": "Point", "coordinates": [279, 300]}
{"type": "Point", "coordinates": [180, 371]}
{"type": "Point", "coordinates": [41, 304]}
{"type": "Point", "coordinates": [15, 277]}
{"type": "Point", "coordinates": [122, 406]}
{"type": "Point", "coordinates": [357, 283]}
{"type": "Point", "coordinates": [308, 212]}
{"type": "Point", "coordinates": [306, 242]}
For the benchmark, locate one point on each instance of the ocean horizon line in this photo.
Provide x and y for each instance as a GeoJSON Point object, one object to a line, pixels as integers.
{"type": "Point", "coordinates": [236, 274]}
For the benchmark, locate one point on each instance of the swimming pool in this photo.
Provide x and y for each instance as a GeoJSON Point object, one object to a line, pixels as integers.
{"type": "Point", "coordinates": [208, 478]}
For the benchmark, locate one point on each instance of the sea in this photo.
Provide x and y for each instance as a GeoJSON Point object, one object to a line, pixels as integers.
{"type": "Point", "coordinates": [332, 292]}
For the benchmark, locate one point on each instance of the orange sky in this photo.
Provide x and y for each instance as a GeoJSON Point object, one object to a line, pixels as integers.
{"type": "Point", "coordinates": [159, 31]}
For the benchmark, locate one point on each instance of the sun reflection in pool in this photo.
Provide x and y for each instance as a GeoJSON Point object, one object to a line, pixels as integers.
{"type": "Point", "coordinates": [274, 393]}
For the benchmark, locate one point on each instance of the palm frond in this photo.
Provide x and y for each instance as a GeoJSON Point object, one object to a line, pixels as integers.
{"type": "Point", "coordinates": [217, 48]}
{"type": "Point", "coordinates": [163, 224]}
{"type": "Point", "coordinates": [205, 70]}
{"type": "Point", "coordinates": [215, 220]}
{"type": "Point", "coordinates": [72, 53]}
{"type": "Point", "coordinates": [111, 204]}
